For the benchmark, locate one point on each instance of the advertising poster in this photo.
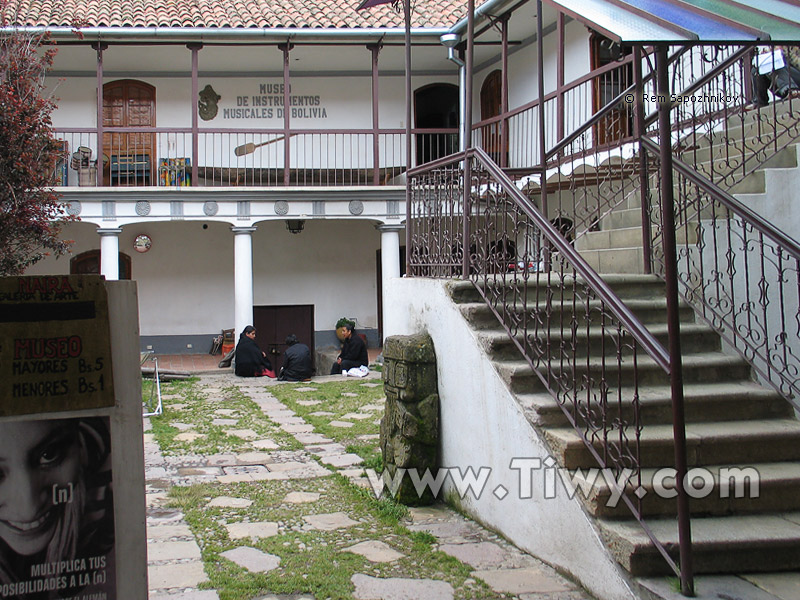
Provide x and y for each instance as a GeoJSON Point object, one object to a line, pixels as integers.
{"type": "Point", "coordinates": [55, 352]}
{"type": "Point", "coordinates": [56, 510]}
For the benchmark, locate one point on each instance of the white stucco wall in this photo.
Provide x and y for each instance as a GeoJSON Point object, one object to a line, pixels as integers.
{"type": "Point", "coordinates": [185, 281]}
{"type": "Point", "coordinates": [482, 425]}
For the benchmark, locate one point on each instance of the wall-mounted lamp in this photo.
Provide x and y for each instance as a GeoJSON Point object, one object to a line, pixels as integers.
{"type": "Point", "coordinates": [295, 226]}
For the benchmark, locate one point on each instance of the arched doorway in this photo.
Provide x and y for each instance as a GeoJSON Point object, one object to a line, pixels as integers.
{"type": "Point", "coordinates": [131, 156]}
{"type": "Point", "coordinates": [491, 106]}
{"type": "Point", "coordinates": [436, 107]}
{"type": "Point", "coordinates": [88, 263]}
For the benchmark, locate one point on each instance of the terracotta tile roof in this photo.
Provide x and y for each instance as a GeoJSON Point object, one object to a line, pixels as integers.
{"type": "Point", "coordinates": [227, 13]}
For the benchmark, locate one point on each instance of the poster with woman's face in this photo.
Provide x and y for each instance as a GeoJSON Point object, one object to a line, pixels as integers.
{"type": "Point", "coordinates": [56, 510]}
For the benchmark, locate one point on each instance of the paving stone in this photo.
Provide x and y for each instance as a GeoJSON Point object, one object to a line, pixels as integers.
{"type": "Point", "coordinates": [329, 521]}
{"type": "Point", "coordinates": [480, 555]}
{"type": "Point", "coordinates": [173, 551]}
{"type": "Point", "coordinates": [259, 529]}
{"type": "Point", "coordinates": [188, 595]}
{"type": "Point", "coordinates": [298, 428]}
{"type": "Point", "coordinates": [373, 407]}
{"type": "Point", "coordinates": [176, 405]}
{"type": "Point", "coordinates": [311, 438]}
{"type": "Point", "coordinates": [449, 532]}
{"type": "Point", "coordinates": [375, 551]}
{"type": "Point", "coordinates": [342, 424]}
{"type": "Point", "coordinates": [230, 502]}
{"type": "Point", "coordinates": [149, 438]}
{"type": "Point", "coordinates": [224, 421]}
{"type": "Point", "coordinates": [358, 416]}
{"type": "Point", "coordinates": [371, 385]}
{"type": "Point", "coordinates": [155, 473]}
{"type": "Point", "coordinates": [188, 471]}
{"type": "Point", "coordinates": [301, 497]}
{"type": "Point", "coordinates": [188, 436]}
{"type": "Point", "coordinates": [165, 532]}
{"type": "Point", "coordinates": [322, 413]}
{"type": "Point", "coordinates": [522, 581]}
{"type": "Point", "coordinates": [253, 559]}
{"type": "Point", "coordinates": [309, 402]}
{"type": "Point", "coordinates": [710, 587]}
{"type": "Point", "coordinates": [245, 434]}
{"type": "Point", "coordinates": [783, 585]}
{"type": "Point", "coordinates": [225, 412]}
{"type": "Point", "coordinates": [287, 466]}
{"type": "Point", "coordinates": [155, 499]}
{"type": "Point", "coordinates": [395, 588]}
{"type": "Point", "coordinates": [342, 460]}
{"type": "Point", "coordinates": [322, 449]}
{"type": "Point", "coordinates": [305, 389]}
{"type": "Point", "coordinates": [352, 472]}
{"type": "Point", "coordinates": [369, 436]}
{"type": "Point", "coordinates": [254, 458]}
{"type": "Point", "coordinates": [265, 445]}
{"type": "Point", "coordinates": [245, 469]}
{"type": "Point", "coordinates": [242, 478]}
{"type": "Point", "coordinates": [179, 575]}
{"type": "Point", "coordinates": [350, 394]}
{"type": "Point", "coordinates": [220, 460]}
{"type": "Point", "coordinates": [182, 426]}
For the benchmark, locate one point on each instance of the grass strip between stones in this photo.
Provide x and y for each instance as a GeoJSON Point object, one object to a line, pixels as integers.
{"type": "Point", "coordinates": [313, 561]}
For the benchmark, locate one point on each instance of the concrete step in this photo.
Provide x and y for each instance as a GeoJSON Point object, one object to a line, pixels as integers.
{"type": "Point", "coordinates": [622, 237]}
{"type": "Point", "coordinates": [716, 490]}
{"type": "Point", "coordinates": [734, 544]}
{"type": "Point", "coordinates": [704, 402]}
{"type": "Point", "coordinates": [615, 260]}
{"type": "Point", "coordinates": [648, 311]}
{"type": "Point", "coordinates": [710, 367]}
{"type": "Point", "coordinates": [499, 345]}
{"type": "Point", "coordinates": [551, 284]}
{"type": "Point", "coordinates": [726, 442]}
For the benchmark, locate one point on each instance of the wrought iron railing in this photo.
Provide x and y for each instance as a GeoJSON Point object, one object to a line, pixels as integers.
{"type": "Point", "coordinates": [550, 302]}
{"type": "Point", "coordinates": [741, 273]}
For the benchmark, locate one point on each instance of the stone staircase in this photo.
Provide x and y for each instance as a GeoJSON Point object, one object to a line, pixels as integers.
{"type": "Point", "coordinates": [616, 247]}
{"type": "Point", "coordinates": [732, 423]}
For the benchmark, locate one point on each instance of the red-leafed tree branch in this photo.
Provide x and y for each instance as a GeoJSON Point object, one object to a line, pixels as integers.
{"type": "Point", "coordinates": [31, 214]}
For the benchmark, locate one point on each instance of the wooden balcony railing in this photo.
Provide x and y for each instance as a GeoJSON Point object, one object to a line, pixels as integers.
{"type": "Point", "coordinates": [169, 157]}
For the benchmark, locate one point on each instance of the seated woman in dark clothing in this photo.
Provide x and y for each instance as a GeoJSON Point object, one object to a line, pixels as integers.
{"type": "Point", "coordinates": [296, 361]}
{"type": "Point", "coordinates": [354, 352]}
{"type": "Point", "coordinates": [250, 360]}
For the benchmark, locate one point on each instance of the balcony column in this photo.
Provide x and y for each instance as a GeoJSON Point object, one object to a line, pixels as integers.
{"type": "Point", "coordinates": [195, 49]}
{"type": "Point", "coordinates": [390, 264]}
{"type": "Point", "coordinates": [99, 48]}
{"type": "Point", "coordinates": [109, 253]}
{"type": "Point", "coordinates": [242, 277]}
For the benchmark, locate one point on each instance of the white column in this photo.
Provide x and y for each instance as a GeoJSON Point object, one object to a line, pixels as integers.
{"type": "Point", "coordinates": [109, 253]}
{"type": "Point", "coordinates": [390, 264]}
{"type": "Point", "coordinates": [242, 277]}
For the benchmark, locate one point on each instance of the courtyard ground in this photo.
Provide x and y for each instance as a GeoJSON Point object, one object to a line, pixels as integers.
{"type": "Point", "coordinates": [257, 489]}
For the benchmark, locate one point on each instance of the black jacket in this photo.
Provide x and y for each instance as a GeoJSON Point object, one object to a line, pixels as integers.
{"type": "Point", "coordinates": [296, 363]}
{"type": "Point", "coordinates": [249, 359]}
{"type": "Point", "coordinates": [355, 350]}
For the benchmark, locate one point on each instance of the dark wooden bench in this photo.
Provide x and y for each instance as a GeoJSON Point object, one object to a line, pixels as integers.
{"type": "Point", "coordinates": [128, 168]}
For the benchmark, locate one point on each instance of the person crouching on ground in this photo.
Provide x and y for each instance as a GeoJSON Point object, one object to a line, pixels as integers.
{"type": "Point", "coordinates": [250, 360]}
{"type": "Point", "coordinates": [354, 352]}
{"type": "Point", "coordinates": [296, 361]}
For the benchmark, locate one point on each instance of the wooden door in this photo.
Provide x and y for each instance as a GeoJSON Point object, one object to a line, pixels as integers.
{"type": "Point", "coordinates": [132, 160]}
{"type": "Point", "coordinates": [617, 124]}
{"type": "Point", "coordinates": [274, 323]}
{"type": "Point", "coordinates": [491, 106]}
